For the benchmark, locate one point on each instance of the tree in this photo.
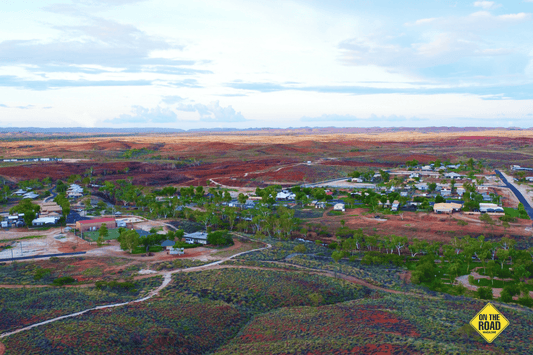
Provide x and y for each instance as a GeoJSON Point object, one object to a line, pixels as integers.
{"type": "Point", "coordinates": [399, 242]}
{"type": "Point", "coordinates": [220, 237]}
{"type": "Point", "coordinates": [439, 199]}
{"type": "Point", "coordinates": [242, 198]}
{"type": "Point", "coordinates": [179, 234]}
{"type": "Point", "coordinates": [453, 271]}
{"type": "Point", "coordinates": [129, 240]}
{"type": "Point", "coordinates": [502, 254]}
{"type": "Point", "coordinates": [491, 270]}
{"type": "Point", "coordinates": [29, 209]}
{"type": "Point", "coordinates": [103, 231]}
{"type": "Point", "coordinates": [337, 256]}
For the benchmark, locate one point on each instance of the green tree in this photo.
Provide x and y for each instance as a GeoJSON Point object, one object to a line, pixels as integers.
{"type": "Point", "coordinates": [453, 271]}
{"type": "Point", "coordinates": [29, 209]}
{"type": "Point", "coordinates": [337, 256]}
{"type": "Point", "coordinates": [129, 240]}
{"type": "Point", "coordinates": [491, 270]}
{"type": "Point", "coordinates": [502, 254]}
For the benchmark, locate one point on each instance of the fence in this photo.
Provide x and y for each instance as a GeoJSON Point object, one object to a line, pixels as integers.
{"type": "Point", "coordinates": [42, 256]}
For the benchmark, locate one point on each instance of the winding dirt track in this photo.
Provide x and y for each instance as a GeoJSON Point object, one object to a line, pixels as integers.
{"type": "Point", "coordinates": [167, 278]}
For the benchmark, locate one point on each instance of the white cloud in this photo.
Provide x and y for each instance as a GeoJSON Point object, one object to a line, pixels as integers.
{"type": "Point", "coordinates": [515, 17]}
{"type": "Point", "coordinates": [212, 112]}
{"type": "Point", "coordinates": [145, 116]}
{"type": "Point", "coordinates": [487, 4]}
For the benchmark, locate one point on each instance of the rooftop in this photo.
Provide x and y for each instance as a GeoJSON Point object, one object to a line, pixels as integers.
{"type": "Point", "coordinates": [97, 220]}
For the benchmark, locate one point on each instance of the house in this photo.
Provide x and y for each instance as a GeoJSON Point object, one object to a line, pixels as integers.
{"type": "Point", "coordinates": [414, 175]}
{"type": "Point", "coordinates": [403, 193]}
{"type": "Point", "coordinates": [460, 191]}
{"type": "Point", "coordinates": [445, 192]}
{"type": "Point", "coordinates": [447, 207]}
{"type": "Point", "coordinates": [395, 205]}
{"type": "Point", "coordinates": [529, 178]}
{"type": "Point", "coordinates": [453, 175]}
{"type": "Point", "coordinates": [285, 195]}
{"type": "Point", "coordinates": [4, 224]}
{"type": "Point", "coordinates": [320, 205]}
{"type": "Point", "coordinates": [50, 208]}
{"type": "Point", "coordinates": [41, 221]}
{"type": "Point", "coordinates": [198, 237]}
{"type": "Point", "coordinates": [30, 195]}
{"type": "Point", "coordinates": [19, 192]}
{"type": "Point", "coordinates": [168, 244]}
{"type": "Point", "coordinates": [490, 208]}
{"type": "Point", "coordinates": [339, 207]}
{"type": "Point", "coordinates": [121, 223]}
{"type": "Point", "coordinates": [422, 186]}
{"type": "Point", "coordinates": [143, 233]}
{"type": "Point", "coordinates": [94, 224]}
{"type": "Point", "coordinates": [384, 205]}
{"type": "Point", "coordinates": [427, 168]}
{"type": "Point", "coordinates": [357, 180]}
{"type": "Point", "coordinates": [456, 166]}
{"type": "Point", "coordinates": [486, 197]}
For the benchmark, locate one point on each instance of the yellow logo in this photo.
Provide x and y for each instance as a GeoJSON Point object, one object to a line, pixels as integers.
{"type": "Point", "coordinates": [489, 322]}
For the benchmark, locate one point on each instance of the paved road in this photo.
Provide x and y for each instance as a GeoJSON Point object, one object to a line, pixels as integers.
{"type": "Point", "coordinates": [518, 194]}
{"type": "Point", "coordinates": [52, 194]}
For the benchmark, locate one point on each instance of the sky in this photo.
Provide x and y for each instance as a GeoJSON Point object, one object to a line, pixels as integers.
{"type": "Point", "coordinates": [277, 63]}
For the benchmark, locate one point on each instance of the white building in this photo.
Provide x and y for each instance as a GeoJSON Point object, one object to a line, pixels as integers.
{"type": "Point", "coordinates": [453, 175]}
{"type": "Point", "coordinates": [339, 207]}
{"type": "Point", "coordinates": [490, 207]}
{"type": "Point", "coordinates": [285, 195]}
{"type": "Point", "coordinates": [41, 221]}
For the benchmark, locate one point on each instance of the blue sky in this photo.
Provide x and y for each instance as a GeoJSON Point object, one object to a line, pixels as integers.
{"type": "Point", "coordinates": [211, 64]}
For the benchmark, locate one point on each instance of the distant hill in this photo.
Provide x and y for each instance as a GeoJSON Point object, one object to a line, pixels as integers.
{"type": "Point", "coordinates": [21, 131]}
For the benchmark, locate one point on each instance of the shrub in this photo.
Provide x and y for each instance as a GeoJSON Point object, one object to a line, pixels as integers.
{"type": "Point", "coordinates": [65, 280]}
{"type": "Point", "coordinates": [505, 296]}
{"type": "Point", "coordinates": [471, 280]}
{"type": "Point", "coordinates": [115, 285]}
{"type": "Point", "coordinates": [526, 301]}
{"type": "Point", "coordinates": [332, 245]}
{"type": "Point", "coordinates": [485, 293]}
{"type": "Point", "coordinates": [221, 237]}
{"type": "Point", "coordinates": [507, 218]}
{"type": "Point", "coordinates": [40, 273]}
{"type": "Point", "coordinates": [54, 259]}
{"type": "Point", "coordinates": [462, 223]}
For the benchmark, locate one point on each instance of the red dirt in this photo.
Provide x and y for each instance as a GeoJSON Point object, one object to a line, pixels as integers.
{"type": "Point", "coordinates": [434, 227]}
{"type": "Point", "coordinates": [2, 349]}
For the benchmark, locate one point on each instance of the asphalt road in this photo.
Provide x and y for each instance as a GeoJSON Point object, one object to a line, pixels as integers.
{"type": "Point", "coordinates": [52, 194]}
{"type": "Point", "coordinates": [518, 194]}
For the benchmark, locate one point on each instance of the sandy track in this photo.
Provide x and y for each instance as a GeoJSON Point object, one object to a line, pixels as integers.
{"type": "Point", "coordinates": [167, 278]}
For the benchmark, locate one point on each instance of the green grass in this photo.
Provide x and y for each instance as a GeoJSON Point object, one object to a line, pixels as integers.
{"type": "Point", "coordinates": [142, 249]}
{"type": "Point", "coordinates": [93, 235]}
{"type": "Point", "coordinates": [511, 212]}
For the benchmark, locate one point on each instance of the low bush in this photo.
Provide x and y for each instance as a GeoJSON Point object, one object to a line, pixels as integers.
{"type": "Point", "coordinates": [485, 293]}
{"type": "Point", "coordinates": [65, 280]}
